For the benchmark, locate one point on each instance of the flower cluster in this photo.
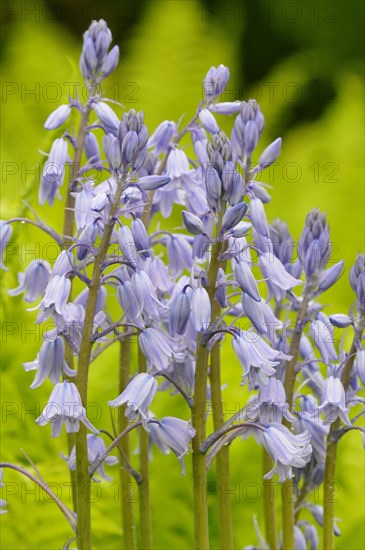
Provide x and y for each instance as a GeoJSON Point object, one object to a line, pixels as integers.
{"type": "Point", "coordinates": [181, 291]}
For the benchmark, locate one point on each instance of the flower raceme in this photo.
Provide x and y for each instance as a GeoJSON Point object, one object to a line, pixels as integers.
{"type": "Point", "coordinates": [179, 287]}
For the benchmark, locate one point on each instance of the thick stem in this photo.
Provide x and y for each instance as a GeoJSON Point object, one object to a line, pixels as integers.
{"type": "Point", "coordinates": [269, 502]}
{"type": "Point", "coordinates": [222, 458]}
{"type": "Point", "coordinates": [199, 466]}
{"type": "Point", "coordinates": [288, 500]}
{"type": "Point", "coordinates": [330, 464]}
{"type": "Point", "coordinates": [82, 467]}
{"type": "Point", "coordinates": [144, 487]}
{"type": "Point", "coordinates": [129, 528]}
{"type": "Point", "coordinates": [199, 416]}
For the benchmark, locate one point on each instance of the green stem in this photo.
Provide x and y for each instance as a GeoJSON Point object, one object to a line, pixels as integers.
{"type": "Point", "coordinates": [330, 464]}
{"type": "Point", "coordinates": [68, 228]}
{"type": "Point", "coordinates": [144, 486]}
{"type": "Point", "coordinates": [129, 528]}
{"type": "Point", "coordinates": [199, 417]}
{"type": "Point", "coordinates": [82, 467]}
{"type": "Point", "coordinates": [288, 500]}
{"type": "Point", "coordinates": [269, 502]}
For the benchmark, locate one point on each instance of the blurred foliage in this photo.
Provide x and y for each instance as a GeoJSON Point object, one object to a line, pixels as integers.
{"type": "Point", "coordinates": [304, 67]}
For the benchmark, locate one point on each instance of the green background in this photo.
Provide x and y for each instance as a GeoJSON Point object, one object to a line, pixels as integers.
{"type": "Point", "coordinates": [302, 62]}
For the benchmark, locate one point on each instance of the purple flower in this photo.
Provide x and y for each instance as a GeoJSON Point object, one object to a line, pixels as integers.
{"type": "Point", "coordinates": [270, 154]}
{"type": "Point", "coordinates": [127, 245]}
{"type": "Point", "coordinates": [95, 449]}
{"type": "Point", "coordinates": [5, 234]}
{"type": "Point", "coordinates": [192, 223]}
{"type": "Point", "coordinates": [277, 278]}
{"type": "Point", "coordinates": [138, 396]}
{"type": "Point", "coordinates": [215, 82]}
{"type": "Point", "coordinates": [106, 115]}
{"type": "Point", "coordinates": [58, 117]}
{"type": "Point", "coordinates": [272, 402]}
{"type": "Point", "coordinates": [64, 407]}
{"type": "Point", "coordinates": [286, 449]}
{"type": "Point", "coordinates": [145, 293]}
{"type": "Point", "coordinates": [322, 335]}
{"type": "Point", "coordinates": [328, 277]}
{"type": "Point", "coordinates": [334, 401]}
{"type": "Point", "coordinates": [177, 164]}
{"type": "Point", "coordinates": [162, 136]}
{"type": "Point", "coordinates": [357, 280]}
{"type": "Point", "coordinates": [172, 433]}
{"type": "Point", "coordinates": [245, 280]}
{"type": "Point", "coordinates": [179, 313]}
{"type": "Point", "coordinates": [314, 247]}
{"type": "Point", "coordinates": [55, 297]}
{"type": "Point", "coordinates": [156, 347]}
{"type": "Point", "coordinates": [208, 121]}
{"type": "Point", "coordinates": [50, 363]}
{"type": "Point", "coordinates": [360, 364]}
{"type": "Point", "coordinates": [226, 108]}
{"type": "Point", "coordinates": [234, 215]}
{"type": "Point", "coordinates": [33, 281]}
{"type": "Point", "coordinates": [200, 310]}
{"type": "Point", "coordinates": [53, 172]}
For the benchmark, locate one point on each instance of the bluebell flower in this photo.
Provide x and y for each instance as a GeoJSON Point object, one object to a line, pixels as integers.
{"type": "Point", "coordinates": [270, 154]}
{"type": "Point", "coordinates": [322, 335]}
{"type": "Point", "coordinates": [192, 223]}
{"type": "Point", "coordinates": [340, 320]}
{"type": "Point", "coordinates": [215, 82]}
{"type": "Point", "coordinates": [50, 362]}
{"type": "Point", "coordinates": [137, 396]}
{"type": "Point", "coordinates": [95, 450]}
{"type": "Point", "coordinates": [328, 277]}
{"type": "Point", "coordinates": [53, 172]}
{"type": "Point", "coordinates": [258, 217]}
{"type": "Point", "coordinates": [278, 280]}
{"type": "Point", "coordinates": [299, 539]}
{"type": "Point", "coordinates": [156, 347]}
{"type": "Point", "coordinates": [200, 310]}
{"type": "Point", "coordinates": [162, 136]}
{"type": "Point", "coordinates": [334, 401]}
{"type": "Point", "coordinates": [146, 294]}
{"type": "Point", "coordinates": [272, 405]}
{"type": "Point", "coordinates": [314, 246]}
{"type": "Point", "coordinates": [33, 281]}
{"type": "Point", "coordinates": [140, 236]}
{"type": "Point", "coordinates": [5, 234]}
{"type": "Point", "coordinates": [357, 281]}
{"type": "Point", "coordinates": [95, 62]}
{"type": "Point", "coordinates": [308, 421]}
{"type": "Point", "coordinates": [127, 245]}
{"type": "Point", "coordinates": [245, 280]}
{"type": "Point", "coordinates": [286, 449]}
{"type": "Point", "coordinates": [58, 117]}
{"type": "Point", "coordinates": [64, 407]}
{"type": "Point", "coordinates": [130, 302]}
{"type": "Point", "coordinates": [208, 121]}
{"type": "Point", "coordinates": [55, 297]}
{"type": "Point", "coordinates": [180, 254]}
{"type": "Point", "coordinates": [92, 150]}
{"type": "Point", "coordinates": [151, 183]}
{"type": "Point", "coordinates": [177, 163]}
{"type": "Point", "coordinates": [172, 433]}
{"type": "Point", "coordinates": [226, 108]}
{"type": "Point", "coordinates": [106, 115]}
{"type": "Point", "coordinates": [252, 309]}
{"type": "Point", "coordinates": [179, 313]}
{"type": "Point", "coordinates": [234, 215]}
{"type": "Point", "coordinates": [360, 364]}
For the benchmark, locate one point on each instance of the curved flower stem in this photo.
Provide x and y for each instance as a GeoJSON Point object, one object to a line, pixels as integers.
{"type": "Point", "coordinates": [287, 495]}
{"type": "Point", "coordinates": [188, 399]}
{"type": "Point", "coordinates": [330, 464]}
{"type": "Point", "coordinates": [145, 519]}
{"type": "Point", "coordinates": [70, 516]}
{"type": "Point", "coordinates": [129, 528]}
{"type": "Point", "coordinates": [41, 226]}
{"type": "Point", "coordinates": [82, 467]}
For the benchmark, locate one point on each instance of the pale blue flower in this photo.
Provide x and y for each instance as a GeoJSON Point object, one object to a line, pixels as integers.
{"type": "Point", "coordinates": [172, 433]}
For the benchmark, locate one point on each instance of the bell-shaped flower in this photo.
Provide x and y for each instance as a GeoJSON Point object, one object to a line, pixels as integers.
{"type": "Point", "coordinates": [172, 433]}
{"type": "Point", "coordinates": [130, 302]}
{"type": "Point", "coordinates": [127, 245]}
{"type": "Point", "coordinates": [215, 82]}
{"type": "Point", "coordinates": [245, 280]}
{"type": "Point", "coordinates": [138, 396]}
{"type": "Point", "coordinates": [200, 309]}
{"type": "Point", "coordinates": [179, 313]}
{"type": "Point", "coordinates": [33, 281]}
{"type": "Point", "coordinates": [53, 172]}
{"type": "Point", "coordinates": [64, 407]}
{"type": "Point", "coordinates": [322, 335]}
{"type": "Point", "coordinates": [58, 117]}
{"type": "Point", "coordinates": [180, 254]}
{"type": "Point", "coordinates": [334, 401]}
{"type": "Point", "coordinates": [5, 234]}
{"type": "Point", "coordinates": [156, 347]}
{"type": "Point", "coordinates": [277, 278]}
{"type": "Point", "coordinates": [360, 364]}
{"type": "Point", "coordinates": [272, 402]}
{"type": "Point", "coordinates": [208, 121]}
{"type": "Point", "coordinates": [95, 449]}
{"type": "Point", "coordinates": [286, 449]}
{"type": "Point", "coordinates": [162, 136]}
{"type": "Point", "coordinates": [50, 362]}
{"type": "Point", "coordinates": [145, 293]}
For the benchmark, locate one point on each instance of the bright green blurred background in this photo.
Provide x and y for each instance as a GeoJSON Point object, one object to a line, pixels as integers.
{"type": "Point", "coordinates": [302, 62]}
